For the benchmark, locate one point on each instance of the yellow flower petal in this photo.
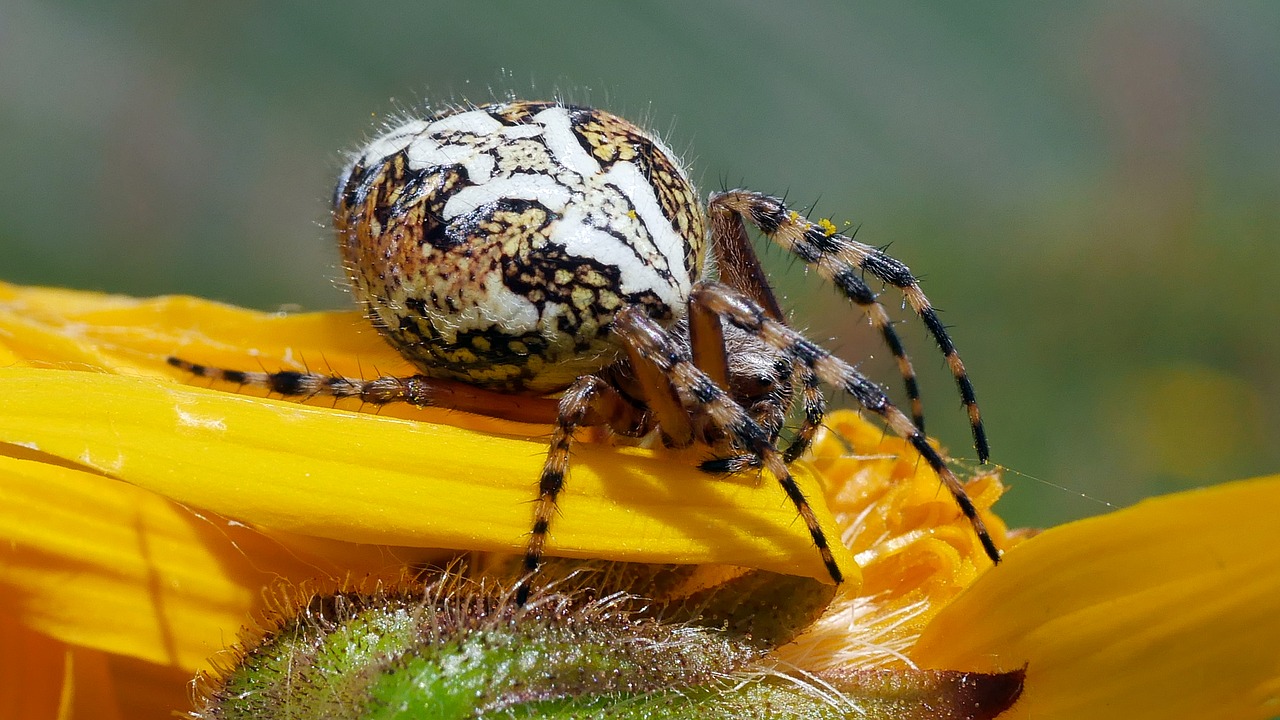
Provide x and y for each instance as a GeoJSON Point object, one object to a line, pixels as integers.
{"type": "Point", "coordinates": [102, 564]}
{"type": "Point", "coordinates": [364, 478]}
{"type": "Point", "coordinates": [1168, 609]}
{"type": "Point", "coordinates": [915, 548]}
{"type": "Point", "coordinates": [117, 334]}
{"type": "Point", "coordinates": [166, 584]}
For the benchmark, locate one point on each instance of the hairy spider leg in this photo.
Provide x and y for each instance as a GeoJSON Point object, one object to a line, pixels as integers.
{"type": "Point", "coordinates": [841, 259]}
{"type": "Point", "coordinates": [707, 344]}
{"type": "Point", "coordinates": [699, 394]}
{"type": "Point", "coordinates": [587, 398]}
{"type": "Point", "coordinates": [741, 311]}
{"type": "Point", "coordinates": [418, 390]}
{"type": "Point", "coordinates": [729, 230]}
{"type": "Point", "coordinates": [737, 261]}
{"type": "Point", "coordinates": [815, 409]}
{"type": "Point", "coordinates": [740, 268]}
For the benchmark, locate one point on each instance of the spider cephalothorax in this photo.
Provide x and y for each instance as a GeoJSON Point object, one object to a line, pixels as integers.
{"type": "Point", "coordinates": [543, 262]}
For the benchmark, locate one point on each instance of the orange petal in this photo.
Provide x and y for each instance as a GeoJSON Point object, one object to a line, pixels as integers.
{"type": "Point", "coordinates": [42, 678]}
{"type": "Point", "coordinates": [1168, 609]}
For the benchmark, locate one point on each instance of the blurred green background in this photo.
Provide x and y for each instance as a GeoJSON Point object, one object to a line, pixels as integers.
{"type": "Point", "coordinates": [1088, 190]}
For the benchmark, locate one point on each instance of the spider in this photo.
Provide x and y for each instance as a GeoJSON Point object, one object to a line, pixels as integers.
{"type": "Point", "coordinates": [543, 262]}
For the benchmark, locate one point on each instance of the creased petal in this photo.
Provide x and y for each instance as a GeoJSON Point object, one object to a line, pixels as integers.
{"type": "Point", "coordinates": [101, 564]}
{"type": "Point", "coordinates": [349, 475]}
{"type": "Point", "coordinates": [370, 479]}
{"type": "Point", "coordinates": [1168, 609]}
{"type": "Point", "coordinates": [153, 568]}
{"type": "Point", "coordinates": [916, 549]}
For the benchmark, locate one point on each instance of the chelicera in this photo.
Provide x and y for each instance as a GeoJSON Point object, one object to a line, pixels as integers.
{"type": "Point", "coordinates": [549, 263]}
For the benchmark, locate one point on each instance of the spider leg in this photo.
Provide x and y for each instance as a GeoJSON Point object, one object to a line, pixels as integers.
{"type": "Point", "coordinates": [660, 397]}
{"type": "Point", "coordinates": [417, 390]}
{"type": "Point", "coordinates": [841, 259]}
{"type": "Point", "coordinates": [744, 313]}
{"type": "Point", "coordinates": [740, 269]}
{"type": "Point", "coordinates": [701, 395]}
{"type": "Point", "coordinates": [707, 343]}
{"type": "Point", "coordinates": [738, 263]}
{"type": "Point", "coordinates": [815, 409]}
{"type": "Point", "coordinates": [587, 398]}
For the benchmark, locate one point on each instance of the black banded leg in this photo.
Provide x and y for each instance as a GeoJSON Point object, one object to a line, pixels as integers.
{"type": "Point", "coordinates": [416, 390]}
{"type": "Point", "coordinates": [700, 395]}
{"type": "Point", "coordinates": [746, 204]}
{"type": "Point", "coordinates": [815, 409]}
{"type": "Point", "coordinates": [738, 263]}
{"type": "Point", "coordinates": [740, 269]}
{"type": "Point", "coordinates": [741, 311]}
{"type": "Point", "coordinates": [841, 259]}
{"type": "Point", "coordinates": [588, 397]}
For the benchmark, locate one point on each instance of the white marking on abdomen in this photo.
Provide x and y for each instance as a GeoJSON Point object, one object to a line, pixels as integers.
{"type": "Point", "coordinates": [563, 143]}
{"type": "Point", "coordinates": [627, 178]}
{"type": "Point", "coordinates": [635, 275]}
{"type": "Point", "coordinates": [394, 141]}
{"type": "Point", "coordinates": [520, 186]}
{"type": "Point", "coordinates": [476, 122]}
{"type": "Point", "coordinates": [497, 307]}
{"type": "Point", "coordinates": [518, 132]}
{"type": "Point", "coordinates": [426, 154]}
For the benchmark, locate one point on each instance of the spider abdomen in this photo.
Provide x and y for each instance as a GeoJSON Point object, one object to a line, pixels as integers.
{"type": "Point", "coordinates": [495, 244]}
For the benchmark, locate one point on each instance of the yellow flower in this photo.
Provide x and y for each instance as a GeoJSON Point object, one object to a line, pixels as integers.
{"type": "Point", "coordinates": [141, 518]}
